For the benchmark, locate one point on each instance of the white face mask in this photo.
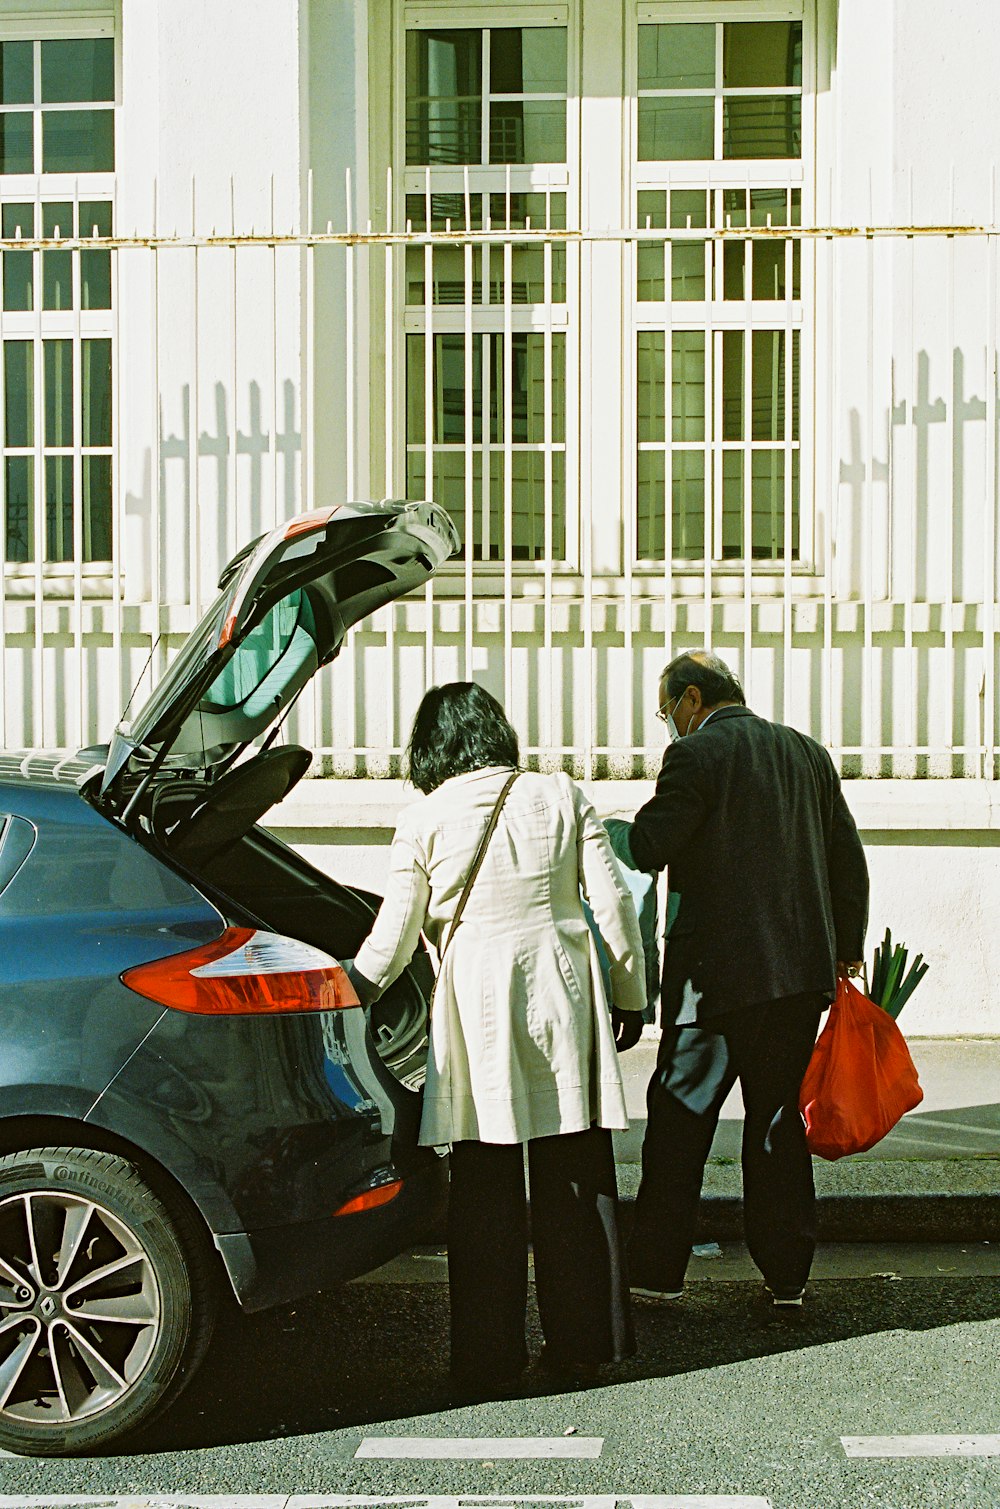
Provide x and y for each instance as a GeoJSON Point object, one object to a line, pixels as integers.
{"type": "Point", "coordinates": [672, 728]}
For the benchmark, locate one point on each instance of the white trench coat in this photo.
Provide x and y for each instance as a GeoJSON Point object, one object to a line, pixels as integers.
{"type": "Point", "coordinates": [521, 1037]}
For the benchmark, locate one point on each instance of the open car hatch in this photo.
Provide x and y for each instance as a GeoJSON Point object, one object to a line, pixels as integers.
{"type": "Point", "coordinates": [286, 603]}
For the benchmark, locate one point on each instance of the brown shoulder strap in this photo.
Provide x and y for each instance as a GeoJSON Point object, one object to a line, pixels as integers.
{"type": "Point", "coordinates": [477, 862]}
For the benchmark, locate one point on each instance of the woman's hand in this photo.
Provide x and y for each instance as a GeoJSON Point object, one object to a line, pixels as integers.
{"type": "Point", "coordinates": [627, 1027]}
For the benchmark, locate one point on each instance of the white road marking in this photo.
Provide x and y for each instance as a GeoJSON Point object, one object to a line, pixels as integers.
{"type": "Point", "coordinates": [442, 1448]}
{"type": "Point", "coordinates": [576, 1501]}
{"type": "Point", "coordinates": [375, 1501]}
{"type": "Point", "coordinates": [698, 1501]}
{"type": "Point", "coordinates": [921, 1446]}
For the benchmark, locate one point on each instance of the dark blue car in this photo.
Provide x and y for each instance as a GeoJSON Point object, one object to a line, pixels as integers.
{"type": "Point", "coordinates": [190, 1094]}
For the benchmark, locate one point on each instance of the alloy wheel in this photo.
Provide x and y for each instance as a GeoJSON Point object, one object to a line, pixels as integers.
{"type": "Point", "coordinates": [80, 1308]}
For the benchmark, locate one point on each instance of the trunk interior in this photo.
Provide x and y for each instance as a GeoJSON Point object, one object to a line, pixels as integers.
{"type": "Point", "coordinates": [293, 897]}
{"type": "Point", "coordinates": [211, 829]}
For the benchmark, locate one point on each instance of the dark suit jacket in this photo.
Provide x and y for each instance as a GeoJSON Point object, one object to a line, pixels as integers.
{"type": "Point", "coordinates": [749, 819]}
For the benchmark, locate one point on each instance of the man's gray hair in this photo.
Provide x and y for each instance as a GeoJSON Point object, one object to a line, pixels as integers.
{"type": "Point", "coordinates": [712, 676]}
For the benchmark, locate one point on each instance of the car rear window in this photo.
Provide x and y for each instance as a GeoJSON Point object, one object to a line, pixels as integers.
{"type": "Point", "coordinates": [16, 838]}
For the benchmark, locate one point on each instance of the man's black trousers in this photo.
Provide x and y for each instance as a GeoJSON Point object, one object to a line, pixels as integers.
{"type": "Point", "coordinates": [766, 1047]}
{"type": "Point", "coordinates": [580, 1277]}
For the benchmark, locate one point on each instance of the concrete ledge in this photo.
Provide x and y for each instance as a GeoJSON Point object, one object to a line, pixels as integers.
{"type": "Point", "coordinates": [865, 1200]}
{"type": "Point", "coordinates": [878, 806]}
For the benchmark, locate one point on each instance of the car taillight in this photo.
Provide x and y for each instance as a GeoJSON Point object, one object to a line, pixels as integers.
{"type": "Point", "coordinates": [306, 521]}
{"type": "Point", "coordinates": [244, 972]}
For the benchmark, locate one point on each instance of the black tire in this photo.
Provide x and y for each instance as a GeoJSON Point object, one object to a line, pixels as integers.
{"type": "Point", "coordinates": [107, 1300]}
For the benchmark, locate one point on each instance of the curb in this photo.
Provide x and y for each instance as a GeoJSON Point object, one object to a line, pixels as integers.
{"type": "Point", "coordinates": [864, 1200]}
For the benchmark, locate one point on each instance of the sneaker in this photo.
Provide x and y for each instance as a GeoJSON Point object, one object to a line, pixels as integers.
{"type": "Point", "coordinates": [785, 1301]}
{"type": "Point", "coordinates": [638, 1292]}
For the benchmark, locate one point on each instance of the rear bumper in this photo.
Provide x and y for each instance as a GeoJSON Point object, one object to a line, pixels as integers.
{"type": "Point", "coordinates": [281, 1263]}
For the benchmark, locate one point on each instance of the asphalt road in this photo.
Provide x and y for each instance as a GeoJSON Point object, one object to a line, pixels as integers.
{"type": "Point", "coordinates": [724, 1397]}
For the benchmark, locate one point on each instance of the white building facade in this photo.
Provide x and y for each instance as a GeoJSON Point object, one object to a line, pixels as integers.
{"type": "Point", "coordinates": [685, 309]}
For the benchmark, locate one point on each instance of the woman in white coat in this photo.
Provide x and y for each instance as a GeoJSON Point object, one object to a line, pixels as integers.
{"type": "Point", "coordinates": [523, 1048]}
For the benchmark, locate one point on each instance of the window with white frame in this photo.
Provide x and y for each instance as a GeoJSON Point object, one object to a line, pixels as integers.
{"type": "Point", "coordinates": [485, 296]}
{"type": "Point", "coordinates": [57, 158]}
{"type": "Point", "coordinates": [718, 321]}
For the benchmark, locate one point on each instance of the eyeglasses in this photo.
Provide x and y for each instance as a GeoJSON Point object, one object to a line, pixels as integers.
{"type": "Point", "coordinates": [664, 713]}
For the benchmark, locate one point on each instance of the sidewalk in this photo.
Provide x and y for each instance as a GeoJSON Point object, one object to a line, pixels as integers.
{"type": "Point", "coordinates": [936, 1177]}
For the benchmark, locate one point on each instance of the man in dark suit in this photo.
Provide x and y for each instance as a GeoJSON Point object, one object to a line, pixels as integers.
{"type": "Point", "coordinates": [749, 819]}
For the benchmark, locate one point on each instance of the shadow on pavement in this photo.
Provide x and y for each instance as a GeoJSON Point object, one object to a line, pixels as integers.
{"type": "Point", "coordinates": [372, 1353]}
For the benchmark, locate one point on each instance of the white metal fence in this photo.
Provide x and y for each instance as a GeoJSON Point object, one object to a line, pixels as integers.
{"type": "Point", "coordinates": [803, 421]}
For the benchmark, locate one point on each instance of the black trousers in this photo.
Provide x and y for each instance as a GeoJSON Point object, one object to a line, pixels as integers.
{"type": "Point", "coordinates": [767, 1048]}
{"type": "Point", "coordinates": [580, 1277]}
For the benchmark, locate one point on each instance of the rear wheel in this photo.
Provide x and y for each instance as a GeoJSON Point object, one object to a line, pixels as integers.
{"type": "Point", "coordinates": [106, 1300]}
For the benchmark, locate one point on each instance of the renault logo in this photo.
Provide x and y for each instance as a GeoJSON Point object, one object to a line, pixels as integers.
{"type": "Point", "coordinates": [48, 1306]}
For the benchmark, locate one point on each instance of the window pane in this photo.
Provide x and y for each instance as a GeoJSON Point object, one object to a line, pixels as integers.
{"type": "Point", "coordinates": [762, 127]}
{"type": "Point", "coordinates": [83, 69]}
{"type": "Point", "coordinates": [58, 368]}
{"type": "Point", "coordinates": [18, 277]}
{"type": "Point", "coordinates": [528, 131]}
{"type": "Point", "coordinates": [650, 281]}
{"type": "Point", "coordinates": [732, 385]}
{"type": "Point", "coordinates": [733, 258]}
{"type": "Point", "coordinates": [57, 218]}
{"type": "Point", "coordinates": [18, 219]}
{"type": "Point", "coordinates": [449, 389]}
{"type": "Point", "coordinates": [19, 393]}
{"type": "Point", "coordinates": [17, 73]}
{"type": "Point", "coordinates": [527, 388]}
{"type": "Point", "coordinates": [651, 209]}
{"type": "Point", "coordinates": [768, 385]}
{"type": "Point", "coordinates": [734, 207]}
{"type": "Point", "coordinates": [680, 128]}
{"type": "Point", "coordinates": [20, 522]}
{"type": "Point", "coordinates": [95, 279]}
{"type": "Point", "coordinates": [18, 280]}
{"type": "Point", "coordinates": [528, 211]}
{"type": "Point", "coordinates": [59, 508]}
{"type": "Point", "coordinates": [651, 384]}
{"type": "Point", "coordinates": [528, 504]}
{"type": "Point", "coordinates": [769, 281]}
{"type": "Point", "coordinates": [650, 473]}
{"type": "Point", "coordinates": [96, 371]}
{"type": "Point", "coordinates": [527, 275]}
{"type": "Point", "coordinates": [78, 141]}
{"type": "Point", "coordinates": [687, 270]}
{"type": "Point", "coordinates": [58, 392]}
{"type": "Point", "coordinates": [767, 491]}
{"type": "Point", "coordinates": [447, 212]}
{"type": "Point", "coordinates": [447, 275]}
{"type": "Point", "coordinates": [767, 505]}
{"type": "Point", "coordinates": [756, 54]}
{"type": "Point", "coordinates": [528, 60]}
{"type": "Point", "coordinates": [770, 207]}
{"type": "Point", "coordinates": [57, 280]}
{"type": "Point", "coordinates": [415, 410]}
{"type": "Point", "coordinates": [95, 217]}
{"type": "Point", "coordinates": [677, 57]}
{"type": "Point", "coordinates": [688, 208]}
{"type": "Point", "coordinates": [688, 505]}
{"type": "Point", "coordinates": [97, 508]}
{"type": "Point", "coordinates": [17, 153]}
{"type": "Point", "coordinates": [732, 505]}
{"type": "Point", "coordinates": [688, 384]}
{"type": "Point", "coordinates": [443, 96]}
{"type": "Point", "coordinates": [448, 489]}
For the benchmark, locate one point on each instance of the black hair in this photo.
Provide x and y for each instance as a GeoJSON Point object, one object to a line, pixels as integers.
{"type": "Point", "coordinates": [708, 673]}
{"type": "Point", "coordinates": [459, 727]}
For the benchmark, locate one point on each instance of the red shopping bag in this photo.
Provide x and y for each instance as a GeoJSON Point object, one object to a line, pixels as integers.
{"type": "Point", "coordinates": [860, 1080]}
